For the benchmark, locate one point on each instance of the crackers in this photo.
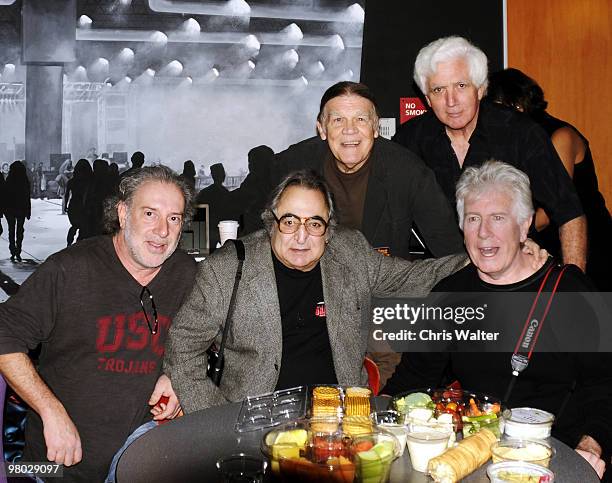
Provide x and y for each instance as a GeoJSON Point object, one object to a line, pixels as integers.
{"type": "Point", "coordinates": [356, 425]}
{"type": "Point", "coordinates": [357, 401]}
{"type": "Point", "coordinates": [326, 401]}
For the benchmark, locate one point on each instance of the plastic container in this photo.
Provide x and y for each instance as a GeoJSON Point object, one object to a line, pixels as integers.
{"type": "Point", "coordinates": [430, 404]}
{"type": "Point", "coordinates": [338, 401]}
{"type": "Point", "coordinates": [271, 409]}
{"type": "Point", "coordinates": [392, 421]}
{"type": "Point", "coordinates": [528, 423]}
{"type": "Point", "coordinates": [530, 451]}
{"type": "Point", "coordinates": [424, 445]}
{"type": "Point", "coordinates": [322, 451]}
{"type": "Point", "coordinates": [242, 467]}
{"type": "Point", "coordinates": [519, 471]}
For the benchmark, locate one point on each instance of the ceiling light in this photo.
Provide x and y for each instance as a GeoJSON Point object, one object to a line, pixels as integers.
{"type": "Point", "coordinates": [85, 21]}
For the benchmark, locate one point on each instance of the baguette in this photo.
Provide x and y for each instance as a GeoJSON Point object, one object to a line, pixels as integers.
{"type": "Point", "coordinates": [460, 461]}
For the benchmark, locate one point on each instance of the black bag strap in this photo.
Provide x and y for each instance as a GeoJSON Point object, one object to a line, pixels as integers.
{"type": "Point", "coordinates": [217, 368]}
{"type": "Point", "coordinates": [526, 342]}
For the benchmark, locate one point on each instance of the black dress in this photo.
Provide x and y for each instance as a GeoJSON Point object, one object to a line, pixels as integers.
{"type": "Point", "coordinates": [599, 261]}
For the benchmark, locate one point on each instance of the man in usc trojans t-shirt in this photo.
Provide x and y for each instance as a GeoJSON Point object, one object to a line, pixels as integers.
{"type": "Point", "coordinates": [101, 310]}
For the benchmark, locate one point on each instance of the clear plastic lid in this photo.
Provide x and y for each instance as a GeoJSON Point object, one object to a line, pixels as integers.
{"type": "Point", "coordinates": [527, 450]}
{"type": "Point", "coordinates": [271, 409]}
{"type": "Point", "coordinates": [504, 472]}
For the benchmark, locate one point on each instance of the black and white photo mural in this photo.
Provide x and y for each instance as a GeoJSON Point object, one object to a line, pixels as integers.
{"type": "Point", "coordinates": [204, 81]}
{"type": "Point", "coordinates": [179, 80]}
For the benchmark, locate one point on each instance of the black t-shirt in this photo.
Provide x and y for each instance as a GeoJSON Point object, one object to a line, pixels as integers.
{"type": "Point", "coordinates": [98, 355]}
{"type": "Point", "coordinates": [307, 356]}
{"type": "Point", "coordinates": [548, 379]}
{"type": "Point", "coordinates": [503, 135]}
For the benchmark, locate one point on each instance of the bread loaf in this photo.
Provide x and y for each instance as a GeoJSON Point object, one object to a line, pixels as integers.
{"type": "Point", "coordinates": [460, 461]}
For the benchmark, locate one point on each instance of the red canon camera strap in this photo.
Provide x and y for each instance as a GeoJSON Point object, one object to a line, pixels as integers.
{"type": "Point", "coordinates": [533, 324]}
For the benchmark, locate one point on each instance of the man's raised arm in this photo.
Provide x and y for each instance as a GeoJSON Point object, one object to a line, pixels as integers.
{"type": "Point", "coordinates": [573, 236]}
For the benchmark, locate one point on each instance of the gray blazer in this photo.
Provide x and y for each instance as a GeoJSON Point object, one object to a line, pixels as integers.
{"type": "Point", "coordinates": [352, 273]}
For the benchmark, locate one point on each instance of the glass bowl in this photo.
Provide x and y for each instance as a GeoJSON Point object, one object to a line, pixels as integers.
{"type": "Point", "coordinates": [530, 451]}
{"type": "Point", "coordinates": [330, 450]}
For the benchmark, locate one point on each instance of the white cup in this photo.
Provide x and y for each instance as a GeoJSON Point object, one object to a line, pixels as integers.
{"type": "Point", "coordinates": [228, 230]}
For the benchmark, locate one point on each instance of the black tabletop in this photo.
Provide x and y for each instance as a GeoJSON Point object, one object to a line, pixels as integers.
{"type": "Point", "coordinates": [185, 450]}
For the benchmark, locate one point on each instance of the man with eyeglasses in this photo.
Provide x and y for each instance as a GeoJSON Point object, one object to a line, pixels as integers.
{"type": "Point", "coordinates": [380, 189]}
{"type": "Point", "coordinates": [298, 310]}
{"type": "Point", "coordinates": [101, 310]}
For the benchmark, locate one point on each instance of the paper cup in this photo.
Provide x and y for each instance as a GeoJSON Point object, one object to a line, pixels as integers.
{"type": "Point", "coordinates": [228, 230]}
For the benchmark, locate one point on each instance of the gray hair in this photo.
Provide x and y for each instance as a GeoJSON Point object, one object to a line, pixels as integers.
{"type": "Point", "coordinates": [447, 49]}
{"type": "Point", "coordinates": [305, 179]}
{"type": "Point", "coordinates": [496, 176]}
{"type": "Point", "coordinates": [131, 182]}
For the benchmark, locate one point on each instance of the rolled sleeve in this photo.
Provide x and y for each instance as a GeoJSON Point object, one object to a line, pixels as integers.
{"type": "Point", "coordinates": [28, 317]}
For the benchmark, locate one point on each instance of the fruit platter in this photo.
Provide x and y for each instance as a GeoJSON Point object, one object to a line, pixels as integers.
{"type": "Point", "coordinates": [467, 412]}
{"type": "Point", "coordinates": [324, 449]}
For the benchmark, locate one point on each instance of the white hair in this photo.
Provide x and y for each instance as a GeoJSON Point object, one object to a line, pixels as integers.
{"type": "Point", "coordinates": [496, 176]}
{"type": "Point", "coordinates": [447, 49]}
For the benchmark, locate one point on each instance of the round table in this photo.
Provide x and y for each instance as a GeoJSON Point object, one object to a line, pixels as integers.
{"type": "Point", "coordinates": [186, 450]}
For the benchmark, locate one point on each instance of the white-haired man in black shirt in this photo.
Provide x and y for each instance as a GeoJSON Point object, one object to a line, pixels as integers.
{"type": "Point", "coordinates": [460, 131]}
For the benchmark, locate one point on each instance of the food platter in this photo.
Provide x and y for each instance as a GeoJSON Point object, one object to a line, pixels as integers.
{"type": "Point", "coordinates": [327, 450]}
{"type": "Point", "coordinates": [466, 411]}
{"type": "Point", "coordinates": [337, 441]}
{"type": "Point", "coordinates": [339, 435]}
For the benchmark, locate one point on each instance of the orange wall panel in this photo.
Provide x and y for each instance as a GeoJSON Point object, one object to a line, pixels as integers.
{"type": "Point", "coordinates": [566, 46]}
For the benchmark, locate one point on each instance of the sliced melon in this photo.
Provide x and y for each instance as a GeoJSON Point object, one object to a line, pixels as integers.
{"type": "Point", "coordinates": [293, 436]}
{"type": "Point", "coordinates": [417, 400]}
{"type": "Point", "coordinates": [385, 450]}
{"type": "Point", "coordinates": [370, 464]}
{"type": "Point", "coordinates": [281, 450]}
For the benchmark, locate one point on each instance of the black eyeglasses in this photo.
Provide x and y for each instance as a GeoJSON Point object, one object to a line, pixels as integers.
{"type": "Point", "coordinates": [146, 295]}
{"type": "Point", "coordinates": [289, 224]}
